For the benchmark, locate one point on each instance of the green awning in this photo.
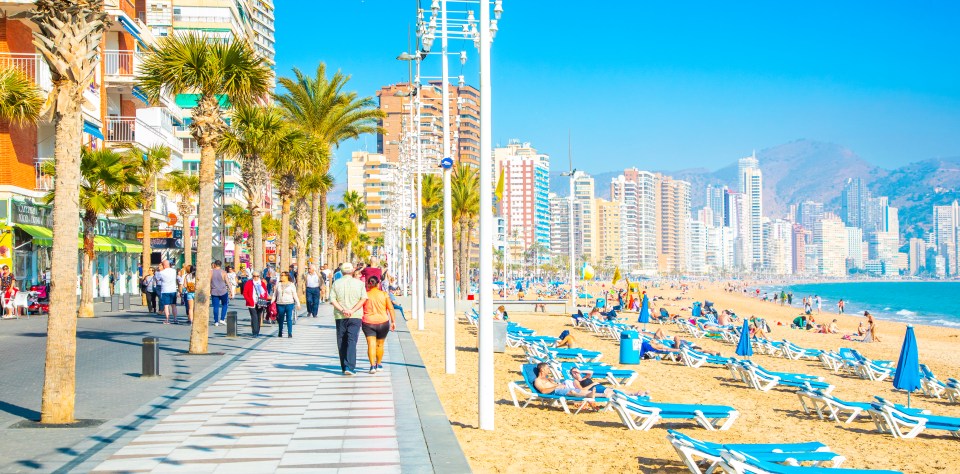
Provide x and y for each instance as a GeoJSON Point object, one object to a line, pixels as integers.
{"type": "Point", "coordinates": [189, 101]}
{"type": "Point", "coordinates": [43, 237]}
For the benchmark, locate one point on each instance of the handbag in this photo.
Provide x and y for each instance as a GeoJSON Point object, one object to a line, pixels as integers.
{"type": "Point", "coordinates": [263, 302]}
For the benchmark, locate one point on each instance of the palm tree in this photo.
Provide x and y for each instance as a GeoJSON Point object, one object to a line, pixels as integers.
{"type": "Point", "coordinates": [237, 218]}
{"type": "Point", "coordinates": [432, 201]}
{"type": "Point", "coordinates": [20, 99]}
{"type": "Point", "coordinates": [149, 165]}
{"type": "Point", "coordinates": [185, 188]}
{"type": "Point", "coordinates": [465, 194]}
{"type": "Point", "coordinates": [342, 231]}
{"type": "Point", "coordinates": [302, 222]}
{"type": "Point", "coordinates": [293, 156]}
{"type": "Point", "coordinates": [255, 134]}
{"type": "Point", "coordinates": [212, 69]}
{"type": "Point", "coordinates": [316, 185]}
{"type": "Point", "coordinates": [68, 37]}
{"type": "Point", "coordinates": [107, 187]}
{"type": "Point", "coordinates": [356, 210]}
{"type": "Point", "coordinates": [321, 108]}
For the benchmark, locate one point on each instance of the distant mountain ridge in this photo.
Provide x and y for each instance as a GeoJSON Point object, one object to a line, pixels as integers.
{"type": "Point", "coordinates": [813, 170]}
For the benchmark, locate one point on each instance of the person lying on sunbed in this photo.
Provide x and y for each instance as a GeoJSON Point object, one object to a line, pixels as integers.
{"type": "Point", "coordinates": [678, 343]}
{"type": "Point", "coordinates": [545, 383]}
{"type": "Point", "coordinates": [650, 349]}
{"type": "Point", "coordinates": [583, 380]}
{"type": "Point", "coordinates": [566, 340]}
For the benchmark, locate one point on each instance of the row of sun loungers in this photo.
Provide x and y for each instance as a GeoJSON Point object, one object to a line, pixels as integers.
{"type": "Point", "coordinates": [640, 413]}
{"type": "Point", "coordinates": [764, 380]}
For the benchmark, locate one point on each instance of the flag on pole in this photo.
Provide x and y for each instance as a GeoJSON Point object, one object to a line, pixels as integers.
{"type": "Point", "coordinates": [616, 275]}
{"type": "Point", "coordinates": [499, 191]}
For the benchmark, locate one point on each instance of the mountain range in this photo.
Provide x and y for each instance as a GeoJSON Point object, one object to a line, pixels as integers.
{"type": "Point", "coordinates": [812, 170]}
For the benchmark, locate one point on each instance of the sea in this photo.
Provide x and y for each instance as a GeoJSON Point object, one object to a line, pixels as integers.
{"type": "Point", "coordinates": [915, 302]}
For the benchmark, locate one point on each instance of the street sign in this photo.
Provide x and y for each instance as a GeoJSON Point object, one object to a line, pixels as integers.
{"type": "Point", "coordinates": [413, 215]}
{"type": "Point", "coordinates": [446, 163]}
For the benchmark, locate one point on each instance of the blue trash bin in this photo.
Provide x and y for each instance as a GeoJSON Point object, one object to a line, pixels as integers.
{"type": "Point", "coordinates": [601, 303]}
{"type": "Point", "coordinates": [629, 347]}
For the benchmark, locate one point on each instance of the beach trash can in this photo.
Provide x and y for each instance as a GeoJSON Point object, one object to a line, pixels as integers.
{"type": "Point", "coordinates": [601, 303]}
{"type": "Point", "coordinates": [629, 347]}
{"type": "Point", "coordinates": [499, 336]}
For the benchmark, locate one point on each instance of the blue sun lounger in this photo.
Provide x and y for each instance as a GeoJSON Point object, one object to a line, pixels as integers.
{"type": "Point", "coordinates": [639, 413]}
{"type": "Point", "coordinates": [616, 377]}
{"type": "Point", "coordinates": [526, 388]}
{"type": "Point", "coordinates": [903, 424]}
{"type": "Point", "coordinates": [743, 463]}
{"type": "Point", "coordinates": [833, 407]}
{"type": "Point", "coordinates": [695, 359]}
{"type": "Point", "coordinates": [692, 451]}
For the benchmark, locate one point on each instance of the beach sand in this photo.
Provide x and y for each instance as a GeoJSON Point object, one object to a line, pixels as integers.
{"type": "Point", "coordinates": [545, 439]}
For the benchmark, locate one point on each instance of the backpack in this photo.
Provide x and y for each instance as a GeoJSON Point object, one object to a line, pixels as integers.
{"type": "Point", "coordinates": [191, 283]}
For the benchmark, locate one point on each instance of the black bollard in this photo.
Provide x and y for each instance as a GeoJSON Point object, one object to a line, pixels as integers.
{"type": "Point", "coordinates": [231, 324]}
{"type": "Point", "coordinates": [114, 303]}
{"type": "Point", "coordinates": [151, 357]}
{"type": "Point", "coordinates": [126, 301]}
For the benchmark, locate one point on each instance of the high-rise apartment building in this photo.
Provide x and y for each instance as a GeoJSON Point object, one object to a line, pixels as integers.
{"type": "Point", "coordinates": [800, 237]}
{"type": "Point", "coordinates": [585, 219]}
{"type": "Point", "coordinates": [917, 256]}
{"type": "Point", "coordinates": [778, 239]}
{"type": "Point", "coordinates": [736, 217]}
{"type": "Point", "coordinates": [560, 240]}
{"type": "Point", "coordinates": [395, 102]}
{"type": "Point", "coordinates": [831, 240]}
{"type": "Point", "coordinates": [946, 235]}
{"type": "Point", "coordinates": [853, 202]}
{"type": "Point", "coordinates": [372, 177]}
{"type": "Point", "coordinates": [808, 213]}
{"type": "Point", "coordinates": [855, 248]}
{"type": "Point", "coordinates": [674, 225]}
{"type": "Point", "coordinates": [714, 201]}
{"type": "Point", "coordinates": [751, 186]}
{"type": "Point", "coordinates": [697, 249]}
{"type": "Point", "coordinates": [525, 204]}
{"type": "Point", "coordinates": [648, 214]}
{"type": "Point", "coordinates": [624, 192]}
{"type": "Point", "coordinates": [608, 233]}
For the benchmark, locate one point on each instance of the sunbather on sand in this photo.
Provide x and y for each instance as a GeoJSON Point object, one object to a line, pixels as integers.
{"type": "Point", "coordinates": [832, 328]}
{"type": "Point", "coordinates": [583, 380]}
{"type": "Point", "coordinates": [545, 383]}
{"type": "Point", "coordinates": [566, 340]}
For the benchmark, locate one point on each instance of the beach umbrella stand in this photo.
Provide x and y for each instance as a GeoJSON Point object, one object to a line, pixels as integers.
{"type": "Point", "coordinates": [644, 312]}
{"type": "Point", "coordinates": [744, 348]}
{"type": "Point", "coordinates": [907, 376]}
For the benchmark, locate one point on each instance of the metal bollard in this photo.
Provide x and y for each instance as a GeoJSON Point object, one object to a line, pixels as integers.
{"type": "Point", "coordinates": [151, 357]}
{"type": "Point", "coordinates": [231, 324]}
{"type": "Point", "coordinates": [126, 301]}
{"type": "Point", "coordinates": [114, 303]}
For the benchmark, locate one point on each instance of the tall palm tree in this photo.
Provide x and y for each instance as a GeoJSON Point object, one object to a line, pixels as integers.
{"type": "Point", "coordinates": [255, 134]}
{"type": "Point", "coordinates": [342, 232]}
{"type": "Point", "coordinates": [320, 107]}
{"type": "Point", "coordinates": [356, 210]}
{"type": "Point", "coordinates": [432, 202]}
{"type": "Point", "coordinates": [293, 157]}
{"type": "Point", "coordinates": [239, 220]}
{"type": "Point", "coordinates": [150, 163]}
{"type": "Point", "coordinates": [108, 186]}
{"type": "Point", "coordinates": [185, 188]}
{"type": "Point", "coordinates": [212, 69]}
{"type": "Point", "coordinates": [316, 185]}
{"type": "Point", "coordinates": [68, 37]}
{"type": "Point", "coordinates": [302, 222]}
{"type": "Point", "coordinates": [465, 194]}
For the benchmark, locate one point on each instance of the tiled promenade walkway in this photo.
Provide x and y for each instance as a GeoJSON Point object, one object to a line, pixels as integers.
{"type": "Point", "coordinates": [287, 408]}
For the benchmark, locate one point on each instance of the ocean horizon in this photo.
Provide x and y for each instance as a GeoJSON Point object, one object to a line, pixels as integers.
{"type": "Point", "coordinates": [911, 302]}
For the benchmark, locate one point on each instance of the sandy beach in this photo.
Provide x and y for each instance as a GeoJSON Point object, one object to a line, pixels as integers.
{"type": "Point", "coordinates": [543, 439]}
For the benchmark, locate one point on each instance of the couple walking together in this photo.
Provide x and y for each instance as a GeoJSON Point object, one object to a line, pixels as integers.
{"type": "Point", "coordinates": [360, 304]}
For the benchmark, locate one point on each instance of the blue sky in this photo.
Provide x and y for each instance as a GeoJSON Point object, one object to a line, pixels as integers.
{"type": "Point", "coordinates": [672, 85]}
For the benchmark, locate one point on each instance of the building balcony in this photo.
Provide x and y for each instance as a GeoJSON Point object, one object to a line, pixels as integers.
{"type": "Point", "coordinates": [132, 130]}
{"type": "Point", "coordinates": [120, 66]}
{"type": "Point", "coordinates": [30, 64]}
{"type": "Point", "coordinates": [44, 180]}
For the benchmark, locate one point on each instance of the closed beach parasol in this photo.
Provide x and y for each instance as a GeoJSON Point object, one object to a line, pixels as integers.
{"type": "Point", "coordinates": [744, 348]}
{"type": "Point", "coordinates": [644, 312]}
{"type": "Point", "coordinates": [907, 376]}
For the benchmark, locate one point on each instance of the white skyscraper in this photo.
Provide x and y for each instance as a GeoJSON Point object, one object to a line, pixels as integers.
{"type": "Point", "coordinates": [830, 238]}
{"type": "Point", "coordinates": [624, 192]}
{"type": "Point", "coordinates": [751, 186]}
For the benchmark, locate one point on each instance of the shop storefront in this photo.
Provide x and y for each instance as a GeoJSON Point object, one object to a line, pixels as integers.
{"type": "Point", "coordinates": [116, 253]}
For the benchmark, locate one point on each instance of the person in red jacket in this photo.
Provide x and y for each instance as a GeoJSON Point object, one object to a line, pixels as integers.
{"type": "Point", "coordinates": [253, 291]}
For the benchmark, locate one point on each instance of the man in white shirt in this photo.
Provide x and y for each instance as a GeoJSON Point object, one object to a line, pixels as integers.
{"type": "Point", "coordinates": [312, 279]}
{"type": "Point", "coordinates": [167, 287]}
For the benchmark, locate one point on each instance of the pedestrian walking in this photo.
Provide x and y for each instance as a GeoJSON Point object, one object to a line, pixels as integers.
{"type": "Point", "coordinates": [313, 284]}
{"type": "Point", "coordinates": [325, 283]}
{"type": "Point", "coordinates": [149, 285]}
{"type": "Point", "coordinates": [255, 296]}
{"type": "Point", "coordinates": [285, 296]}
{"type": "Point", "coordinates": [232, 282]}
{"type": "Point", "coordinates": [167, 283]}
{"type": "Point", "coordinates": [819, 302]}
{"type": "Point", "coordinates": [378, 321]}
{"type": "Point", "coordinates": [840, 305]}
{"type": "Point", "coordinates": [347, 296]}
{"type": "Point", "coordinates": [219, 289]}
{"type": "Point", "coordinates": [292, 273]}
{"type": "Point", "coordinates": [189, 289]}
{"type": "Point", "coordinates": [243, 276]}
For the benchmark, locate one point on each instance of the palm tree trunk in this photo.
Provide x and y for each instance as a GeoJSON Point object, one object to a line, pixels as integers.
{"type": "Point", "coordinates": [323, 228]}
{"type": "Point", "coordinates": [284, 247]}
{"type": "Point", "coordinates": [315, 257]}
{"type": "Point", "coordinates": [428, 256]}
{"type": "Point", "coordinates": [187, 238]}
{"type": "Point", "coordinates": [256, 259]}
{"type": "Point", "coordinates": [59, 373]}
{"type": "Point", "coordinates": [302, 221]}
{"type": "Point", "coordinates": [464, 261]}
{"type": "Point", "coordinates": [147, 250]}
{"type": "Point", "coordinates": [206, 109]}
{"type": "Point", "coordinates": [86, 278]}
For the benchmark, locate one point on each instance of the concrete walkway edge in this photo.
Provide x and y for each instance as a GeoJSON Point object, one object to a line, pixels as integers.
{"type": "Point", "coordinates": [441, 443]}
